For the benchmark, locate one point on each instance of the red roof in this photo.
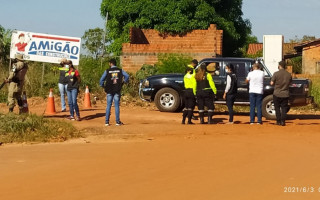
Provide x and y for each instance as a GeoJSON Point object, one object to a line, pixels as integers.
{"type": "Point", "coordinates": [288, 48]}
{"type": "Point", "coordinates": [254, 48]}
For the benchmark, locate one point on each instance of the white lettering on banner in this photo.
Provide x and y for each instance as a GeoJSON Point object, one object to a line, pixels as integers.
{"type": "Point", "coordinates": [45, 48]}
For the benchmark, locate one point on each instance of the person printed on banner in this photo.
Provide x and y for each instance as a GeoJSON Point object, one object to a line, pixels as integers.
{"type": "Point", "coordinates": [73, 82]}
{"type": "Point", "coordinates": [63, 82]}
{"type": "Point", "coordinates": [190, 85]}
{"type": "Point", "coordinates": [23, 42]}
{"type": "Point", "coordinates": [112, 81]}
{"type": "Point", "coordinates": [255, 79]}
{"type": "Point", "coordinates": [281, 81]}
{"type": "Point", "coordinates": [16, 82]}
{"type": "Point", "coordinates": [230, 90]}
{"type": "Point", "coordinates": [205, 92]}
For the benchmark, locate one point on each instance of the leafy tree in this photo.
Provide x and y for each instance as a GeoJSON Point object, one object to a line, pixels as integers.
{"type": "Point", "coordinates": [93, 41]}
{"type": "Point", "coordinates": [177, 17]}
{"type": "Point", "coordinates": [5, 42]}
{"type": "Point", "coordinates": [304, 38]}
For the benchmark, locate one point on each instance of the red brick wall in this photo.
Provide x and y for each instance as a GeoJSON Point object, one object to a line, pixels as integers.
{"type": "Point", "coordinates": [146, 44]}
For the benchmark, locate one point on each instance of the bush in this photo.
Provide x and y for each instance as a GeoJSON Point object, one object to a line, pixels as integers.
{"type": "Point", "coordinates": [296, 64]}
{"type": "Point", "coordinates": [33, 128]}
{"type": "Point", "coordinates": [145, 71]}
{"type": "Point", "coordinates": [315, 91]}
{"type": "Point", "coordinates": [131, 88]}
{"type": "Point", "coordinates": [91, 71]}
{"type": "Point", "coordinates": [172, 63]}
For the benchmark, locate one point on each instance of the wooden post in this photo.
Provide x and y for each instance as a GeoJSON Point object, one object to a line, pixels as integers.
{"type": "Point", "coordinates": [42, 75]}
{"type": "Point", "coordinates": [9, 66]}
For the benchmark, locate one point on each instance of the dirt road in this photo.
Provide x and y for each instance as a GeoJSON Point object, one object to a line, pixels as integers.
{"type": "Point", "coordinates": [154, 157]}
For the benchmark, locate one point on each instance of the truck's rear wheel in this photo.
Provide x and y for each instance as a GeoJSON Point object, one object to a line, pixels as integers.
{"type": "Point", "coordinates": [268, 110]}
{"type": "Point", "coordinates": [167, 100]}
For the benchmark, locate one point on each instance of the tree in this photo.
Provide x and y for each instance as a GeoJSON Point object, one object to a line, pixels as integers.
{"type": "Point", "coordinates": [93, 41]}
{"type": "Point", "coordinates": [304, 38]}
{"type": "Point", "coordinates": [5, 42]}
{"type": "Point", "coordinates": [250, 40]}
{"type": "Point", "coordinates": [177, 17]}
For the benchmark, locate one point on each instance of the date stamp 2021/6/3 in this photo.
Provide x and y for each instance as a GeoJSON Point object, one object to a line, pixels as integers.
{"type": "Point", "coordinates": [301, 189]}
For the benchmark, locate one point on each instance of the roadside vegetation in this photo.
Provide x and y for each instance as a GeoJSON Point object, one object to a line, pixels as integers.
{"type": "Point", "coordinates": [33, 128]}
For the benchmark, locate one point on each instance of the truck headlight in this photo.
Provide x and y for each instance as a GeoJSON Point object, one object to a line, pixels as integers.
{"type": "Point", "coordinates": [146, 83]}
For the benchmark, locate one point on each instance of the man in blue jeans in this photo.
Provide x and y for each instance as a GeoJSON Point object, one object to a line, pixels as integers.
{"type": "Point", "coordinates": [113, 78]}
{"type": "Point", "coordinates": [255, 79]}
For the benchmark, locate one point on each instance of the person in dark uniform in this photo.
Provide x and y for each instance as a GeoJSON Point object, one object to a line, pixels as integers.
{"type": "Point", "coordinates": [205, 93]}
{"type": "Point", "coordinates": [113, 78]}
{"type": "Point", "coordinates": [190, 85]}
{"type": "Point", "coordinates": [231, 90]}
{"type": "Point", "coordinates": [281, 81]}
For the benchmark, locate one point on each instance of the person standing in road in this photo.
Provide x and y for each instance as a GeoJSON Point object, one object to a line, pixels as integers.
{"type": "Point", "coordinates": [281, 81]}
{"type": "Point", "coordinates": [16, 82]}
{"type": "Point", "coordinates": [255, 79]}
{"type": "Point", "coordinates": [190, 85]}
{"type": "Point", "coordinates": [73, 78]}
{"type": "Point", "coordinates": [205, 93]}
{"type": "Point", "coordinates": [112, 81]}
{"type": "Point", "coordinates": [230, 91]}
{"type": "Point", "coordinates": [63, 82]}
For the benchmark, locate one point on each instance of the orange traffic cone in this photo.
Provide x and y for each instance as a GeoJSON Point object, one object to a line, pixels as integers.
{"type": "Point", "coordinates": [51, 109]}
{"type": "Point", "coordinates": [25, 108]}
{"type": "Point", "coordinates": [87, 102]}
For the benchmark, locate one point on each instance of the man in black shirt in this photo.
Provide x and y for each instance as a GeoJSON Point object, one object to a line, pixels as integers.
{"type": "Point", "coordinates": [281, 81]}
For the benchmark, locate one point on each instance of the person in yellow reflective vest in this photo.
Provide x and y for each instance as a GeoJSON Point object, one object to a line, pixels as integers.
{"type": "Point", "coordinates": [206, 91]}
{"type": "Point", "coordinates": [63, 82]}
{"type": "Point", "coordinates": [190, 85]}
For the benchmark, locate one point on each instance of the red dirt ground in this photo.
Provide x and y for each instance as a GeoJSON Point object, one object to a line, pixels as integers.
{"type": "Point", "coordinates": [154, 157]}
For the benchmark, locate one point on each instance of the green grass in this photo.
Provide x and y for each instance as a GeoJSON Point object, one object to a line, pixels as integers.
{"type": "Point", "coordinates": [315, 91]}
{"type": "Point", "coordinates": [33, 128]}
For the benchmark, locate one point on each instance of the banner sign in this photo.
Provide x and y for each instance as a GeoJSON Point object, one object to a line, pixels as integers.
{"type": "Point", "coordinates": [45, 48]}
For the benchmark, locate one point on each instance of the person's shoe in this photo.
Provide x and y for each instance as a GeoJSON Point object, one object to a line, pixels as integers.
{"type": "Point", "coordinates": [229, 123]}
{"type": "Point", "coordinates": [283, 124]}
{"type": "Point", "coordinates": [260, 123]}
{"type": "Point", "coordinates": [251, 123]}
{"type": "Point", "coordinates": [278, 123]}
{"type": "Point", "coordinates": [78, 118]}
{"type": "Point", "coordinates": [64, 110]}
{"type": "Point", "coordinates": [119, 123]}
{"type": "Point", "coordinates": [107, 124]}
{"type": "Point", "coordinates": [10, 109]}
{"type": "Point", "coordinates": [190, 123]}
{"type": "Point", "coordinates": [70, 118]}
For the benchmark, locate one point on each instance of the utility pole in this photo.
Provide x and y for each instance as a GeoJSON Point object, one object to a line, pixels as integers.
{"type": "Point", "coordinates": [104, 37]}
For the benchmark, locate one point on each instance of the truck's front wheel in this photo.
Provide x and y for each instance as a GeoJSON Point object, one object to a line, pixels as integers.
{"type": "Point", "coordinates": [167, 100]}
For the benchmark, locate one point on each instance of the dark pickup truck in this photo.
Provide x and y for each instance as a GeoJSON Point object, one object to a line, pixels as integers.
{"type": "Point", "coordinates": [166, 90]}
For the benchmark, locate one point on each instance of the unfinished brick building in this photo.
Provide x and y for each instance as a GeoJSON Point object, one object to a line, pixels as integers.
{"type": "Point", "coordinates": [146, 44]}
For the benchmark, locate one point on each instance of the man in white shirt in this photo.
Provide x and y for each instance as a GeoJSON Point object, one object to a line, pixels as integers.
{"type": "Point", "coordinates": [255, 79]}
